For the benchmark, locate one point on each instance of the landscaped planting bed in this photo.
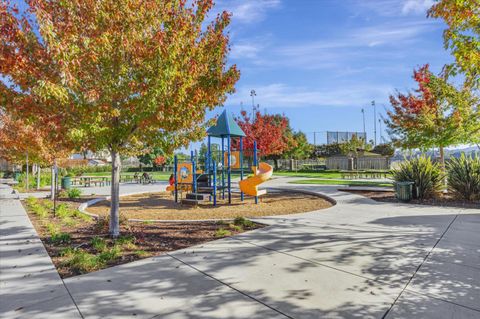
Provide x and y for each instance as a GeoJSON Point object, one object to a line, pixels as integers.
{"type": "Point", "coordinates": [79, 244]}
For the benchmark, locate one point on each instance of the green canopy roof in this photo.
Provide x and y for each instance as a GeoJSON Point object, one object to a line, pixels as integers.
{"type": "Point", "coordinates": [225, 126]}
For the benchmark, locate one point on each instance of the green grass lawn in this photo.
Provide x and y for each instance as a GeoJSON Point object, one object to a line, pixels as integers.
{"type": "Point", "coordinates": [321, 174]}
{"type": "Point", "coordinates": [340, 182]}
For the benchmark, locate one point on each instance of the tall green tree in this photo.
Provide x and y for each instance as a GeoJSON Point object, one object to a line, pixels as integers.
{"type": "Point", "coordinates": [124, 74]}
{"type": "Point", "coordinates": [300, 148]}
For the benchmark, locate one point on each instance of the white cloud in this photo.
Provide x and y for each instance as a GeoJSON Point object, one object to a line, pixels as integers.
{"type": "Point", "coordinates": [391, 8]}
{"type": "Point", "coordinates": [416, 6]}
{"type": "Point", "coordinates": [282, 95]}
{"type": "Point", "coordinates": [244, 50]}
{"type": "Point", "coordinates": [373, 43]}
{"type": "Point", "coordinates": [247, 11]}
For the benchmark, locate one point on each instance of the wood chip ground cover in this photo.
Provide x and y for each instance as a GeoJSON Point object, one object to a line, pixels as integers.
{"type": "Point", "coordinates": [161, 206]}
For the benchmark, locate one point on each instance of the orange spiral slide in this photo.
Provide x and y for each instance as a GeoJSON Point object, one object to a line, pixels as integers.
{"type": "Point", "coordinates": [249, 186]}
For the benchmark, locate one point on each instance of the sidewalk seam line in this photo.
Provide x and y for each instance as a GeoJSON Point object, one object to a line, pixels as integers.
{"type": "Point", "coordinates": [419, 266]}
{"type": "Point", "coordinates": [71, 297]}
{"type": "Point", "coordinates": [231, 287]}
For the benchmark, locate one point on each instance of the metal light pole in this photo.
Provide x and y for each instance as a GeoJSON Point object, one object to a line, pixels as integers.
{"type": "Point", "coordinates": [380, 124]}
{"type": "Point", "coordinates": [364, 130]}
{"type": "Point", "coordinates": [253, 94]}
{"type": "Point", "coordinates": [374, 122]}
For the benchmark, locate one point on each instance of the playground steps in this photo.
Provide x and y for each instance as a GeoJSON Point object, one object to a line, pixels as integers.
{"type": "Point", "coordinates": [205, 190]}
{"type": "Point", "coordinates": [199, 196]}
{"type": "Point", "coordinates": [193, 202]}
{"type": "Point", "coordinates": [195, 198]}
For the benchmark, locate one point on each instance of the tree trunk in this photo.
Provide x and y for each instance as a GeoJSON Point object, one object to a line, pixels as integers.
{"type": "Point", "coordinates": [52, 187]}
{"type": "Point", "coordinates": [39, 171]}
{"type": "Point", "coordinates": [115, 196]}
{"type": "Point", "coordinates": [275, 163]}
{"type": "Point", "coordinates": [442, 165]}
{"type": "Point", "coordinates": [27, 181]}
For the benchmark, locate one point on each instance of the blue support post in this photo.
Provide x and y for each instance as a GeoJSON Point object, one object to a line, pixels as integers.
{"type": "Point", "coordinates": [175, 165]}
{"type": "Point", "coordinates": [241, 165]}
{"type": "Point", "coordinates": [223, 168]}
{"type": "Point", "coordinates": [214, 183]}
{"type": "Point", "coordinates": [255, 162]}
{"type": "Point", "coordinates": [229, 171]}
{"type": "Point", "coordinates": [209, 156]}
{"type": "Point", "coordinates": [194, 169]}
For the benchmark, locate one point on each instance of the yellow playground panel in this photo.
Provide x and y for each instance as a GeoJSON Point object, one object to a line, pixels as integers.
{"type": "Point", "coordinates": [184, 173]}
{"type": "Point", "coordinates": [234, 159]}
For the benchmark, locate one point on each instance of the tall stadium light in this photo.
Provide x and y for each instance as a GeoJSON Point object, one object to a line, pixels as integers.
{"type": "Point", "coordinates": [253, 94]}
{"type": "Point", "coordinates": [380, 124]}
{"type": "Point", "coordinates": [374, 123]}
{"type": "Point", "coordinates": [364, 130]}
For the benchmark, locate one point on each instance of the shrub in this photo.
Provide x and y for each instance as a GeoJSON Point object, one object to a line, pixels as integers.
{"type": "Point", "coordinates": [235, 227]}
{"type": "Point", "coordinates": [52, 229]}
{"type": "Point", "coordinates": [108, 255]}
{"type": "Point", "coordinates": [222, 233]}
{"type": "Point", "coordinates": [464, 177]}
{"type": "Point", "coordinates": [384, 149]}
{"type": "Point", "coordinates": [63, 211]}
{"type": "Point", "coordinates": [74, 193]}
{"type": "Point", "coordinates": [31, 200]}
{"type": "Point", "coordinates": [243, 222]}
{"type": "Point", "coordinates": [423, 172]}
{"type": "Point", "coordinates": [81, 261]}
{"type": "Point", "coordinates": [36, 207]}
{"type": "Point", "coordinates": [45, 180]}
{"type": "Point", "coordinates": [127, 242]}
{"type": "Point", "coordinates": [99, 244]}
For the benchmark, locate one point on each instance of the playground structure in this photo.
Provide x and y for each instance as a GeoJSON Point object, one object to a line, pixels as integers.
{"type": "Point", "coordinates": [206, 181]}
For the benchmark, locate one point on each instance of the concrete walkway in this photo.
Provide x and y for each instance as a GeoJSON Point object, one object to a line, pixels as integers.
{"type": "Point", "coordinates": [30, 286]}
{"type": "Point", "coordinates": [358, 259]}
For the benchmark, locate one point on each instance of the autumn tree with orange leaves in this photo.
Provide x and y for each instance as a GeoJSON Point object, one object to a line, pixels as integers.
{"type": "Point", "coordinates": [436, 114]}
{"type": "Point", "coordinates": [122, 75]}
{"type": "Point", "coordinates": [271, 132]}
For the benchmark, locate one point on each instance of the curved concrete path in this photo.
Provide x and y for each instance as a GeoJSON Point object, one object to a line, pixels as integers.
{"type": "Point", "coordinates": [358, 259]}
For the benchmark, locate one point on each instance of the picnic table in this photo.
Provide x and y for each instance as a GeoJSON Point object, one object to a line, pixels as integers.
{"type": "Point", "coordinates": [364, 174]}
{"type": "Point", "coordinates": [88, 181]}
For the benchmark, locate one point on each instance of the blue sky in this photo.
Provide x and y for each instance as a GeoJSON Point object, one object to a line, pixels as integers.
{"type": "Point", "coordinates": [321, 61]}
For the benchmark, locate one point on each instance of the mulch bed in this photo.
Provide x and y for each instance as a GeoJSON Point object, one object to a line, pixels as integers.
{"type": "Point", "coordinates": [443, 200]}
{"type": "Point", "coordinates": [161, 206]}
{"type": "Point", "coordinates": [149, 238]}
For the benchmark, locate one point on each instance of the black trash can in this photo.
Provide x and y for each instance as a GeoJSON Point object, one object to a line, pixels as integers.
{"type": "Point", "coordinates": [404, 191]}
